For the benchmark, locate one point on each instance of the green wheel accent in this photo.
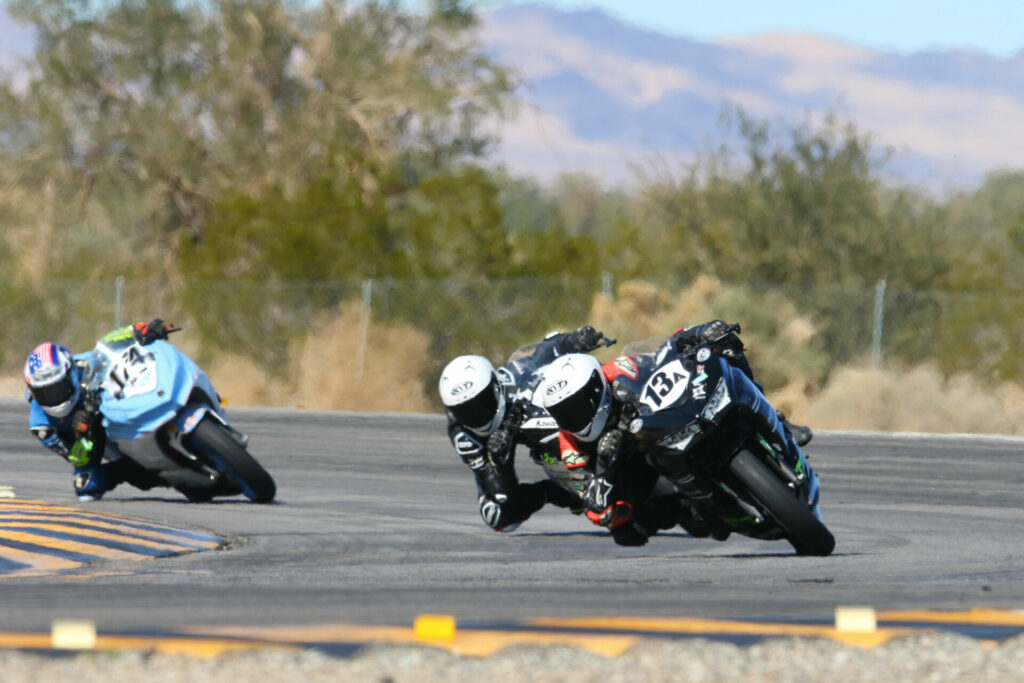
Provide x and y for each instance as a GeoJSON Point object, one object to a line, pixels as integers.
{"type": "Point", "coordinates": [803, 529]}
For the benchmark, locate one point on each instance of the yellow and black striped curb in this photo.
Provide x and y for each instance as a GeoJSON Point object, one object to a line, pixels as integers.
{"type": "Point", "coordinates": [612, 636]}
{"type": "Point", "coordinates": [608, 637]}
{"type": "Point", "coordinates": [39, 538]}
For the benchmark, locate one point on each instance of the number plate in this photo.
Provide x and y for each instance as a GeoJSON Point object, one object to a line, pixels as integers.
{"type": "Point", "coordinates": [666, 386]}
{"type": "Point", "coordinates": [132, 373]}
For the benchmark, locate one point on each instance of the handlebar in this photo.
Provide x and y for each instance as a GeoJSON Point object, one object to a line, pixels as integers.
{"type": "Point", "coordinates": [603, 340]}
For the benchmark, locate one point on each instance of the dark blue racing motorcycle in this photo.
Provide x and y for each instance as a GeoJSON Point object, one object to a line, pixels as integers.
{"type": "Point", "coordinates": [704, 425]}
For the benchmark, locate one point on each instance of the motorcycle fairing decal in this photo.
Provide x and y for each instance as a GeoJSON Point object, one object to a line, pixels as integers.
{"type": "Point", "coordinates": [133, 373]}
{"type": "Point", "coordinates": [623, 365]}
{"type": "Point", "coordinates": [192, 420]}
{"type": "Point", "coordinates": [718, 401]}
{"type": "Point", "coordinates": [117, 335]}
{"type": "Point", "coordinates": [681, 439]}
{"type": "Point", "coordinates": [666, 386]}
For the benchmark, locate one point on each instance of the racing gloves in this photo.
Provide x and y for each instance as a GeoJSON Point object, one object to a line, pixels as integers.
{"type": "Point", "coordinates": [583, 340]}
{"type": "Point", "coordinates": [146, 333]}
{"type": "Point", "coordinates": [712, 332]}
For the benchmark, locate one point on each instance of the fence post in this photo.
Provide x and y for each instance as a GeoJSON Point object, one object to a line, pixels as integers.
{"type": "Point", "coordinates": [607, 280]}
{"type": "Point", "coordinates": [876, 332]}
{"type": "Point", "coordinates": [118, 291]}
{"type": "Point", "coordinates": [364, 326]}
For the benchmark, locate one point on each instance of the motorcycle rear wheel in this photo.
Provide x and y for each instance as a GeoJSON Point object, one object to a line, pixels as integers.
{"type": "Point", "coordinates": [804, 530]}
{"type": "Point", "coordinates": [211, 441]}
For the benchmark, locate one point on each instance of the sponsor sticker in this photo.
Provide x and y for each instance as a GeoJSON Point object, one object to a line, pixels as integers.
{"type": "Point", "coordinates": [540, 423]}
{"type": "Point", "coordinates": [703, 355]}
{"type": "Point", "coordinates": [626, 365]}
{"type": "Point", "coordinates": [465, 444]}
{"type": "Point", "coordinates": [699, 392]}
{"type": "Point", "coordinates": [557, 386]}
{"type": "Point", "coordinates": [636, 425]}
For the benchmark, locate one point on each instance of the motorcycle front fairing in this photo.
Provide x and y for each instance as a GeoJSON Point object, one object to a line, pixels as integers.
{"type": "Point", "coordinates": [148, 386]}
{"type": "Point", "coordinates": [691, 432]}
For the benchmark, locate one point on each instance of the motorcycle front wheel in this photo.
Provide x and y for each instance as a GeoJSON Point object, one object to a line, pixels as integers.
{"type": "Point", "coordinates": [804, 530]}
{"type": "Point", "coordinates": [212, 442]}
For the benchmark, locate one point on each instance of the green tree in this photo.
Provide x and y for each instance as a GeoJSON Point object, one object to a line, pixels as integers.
{"type": "Point", "coordinates": [144, 113]}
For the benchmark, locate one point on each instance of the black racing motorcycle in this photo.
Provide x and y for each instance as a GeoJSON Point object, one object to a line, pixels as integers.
{"type": "Point", "coordinates": [708, 428]}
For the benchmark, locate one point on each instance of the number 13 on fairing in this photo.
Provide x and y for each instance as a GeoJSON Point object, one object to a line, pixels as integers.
{"type": "Point", "coordinates": [666, 386]}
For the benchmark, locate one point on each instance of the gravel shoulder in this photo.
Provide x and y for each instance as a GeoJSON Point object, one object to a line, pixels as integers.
{"type": "Point", "coordinates": [931, 657]}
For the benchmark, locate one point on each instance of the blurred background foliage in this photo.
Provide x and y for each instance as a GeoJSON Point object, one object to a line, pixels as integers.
{"type": "Point", "coordinates": [256, 167]}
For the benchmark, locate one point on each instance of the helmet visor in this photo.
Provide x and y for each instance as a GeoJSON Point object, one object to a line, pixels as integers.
{"type": "Point", "coordinates": [577, 411]}
{"type": "Point", "coordinates": [55, 393]}
{"type": "Point", "coordinates": [479, 410]}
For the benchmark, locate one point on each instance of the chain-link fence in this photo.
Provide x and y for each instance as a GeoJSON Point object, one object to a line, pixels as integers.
{"type": "Point", "coordinates": [366, 329]}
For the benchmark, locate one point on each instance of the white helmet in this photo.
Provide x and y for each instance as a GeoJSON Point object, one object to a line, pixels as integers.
{"type": "Point", "coordinates": [53, 379]}
{"type": "Point", "coordinates": [471, 392]}
{"type": "Point", "coordinates": [576, 394]}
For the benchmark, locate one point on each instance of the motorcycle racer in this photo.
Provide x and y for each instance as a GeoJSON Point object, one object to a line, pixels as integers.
{"type": "Point", "coordinates": [487, 408]}
{"type": "Point", "coordinates": [580, 395]}
{"type": "Point", "coordinates": [577, 392]}
{"type": "Point", "coordinates": [67, 420]}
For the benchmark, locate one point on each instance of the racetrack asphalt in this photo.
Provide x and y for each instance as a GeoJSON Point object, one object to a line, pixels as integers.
{"type": "Point", "coordinates": [376, 523]}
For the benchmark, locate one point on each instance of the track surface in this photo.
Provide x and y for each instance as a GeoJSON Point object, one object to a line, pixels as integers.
{"type": "Point", "coordinates": [376, 522]}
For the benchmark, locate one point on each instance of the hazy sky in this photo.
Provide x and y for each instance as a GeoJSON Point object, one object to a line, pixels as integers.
{"type": "Point", "coordinates": [993, 26]}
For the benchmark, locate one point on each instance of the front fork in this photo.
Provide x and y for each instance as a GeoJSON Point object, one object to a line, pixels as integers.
{"type": "Point", "coordinates": [792, 467]}
{"type": "Point", "coordinates": [188, 418]}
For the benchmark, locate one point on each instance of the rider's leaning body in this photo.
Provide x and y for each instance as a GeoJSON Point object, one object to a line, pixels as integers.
{"type": "Point", "coordinates": [488, 448]}
{"type": "Point", "coordinates": [66, 419]}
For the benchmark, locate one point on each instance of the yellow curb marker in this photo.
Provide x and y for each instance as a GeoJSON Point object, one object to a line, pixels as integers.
{"type": "Point", "coordinates": [6, 492]}
{"type": "Point", "coordinates": [856, 620]}
{"type": "Point", "coordinates": [73, 635]}
{"type": "Point", "coordinates": [434, 627]}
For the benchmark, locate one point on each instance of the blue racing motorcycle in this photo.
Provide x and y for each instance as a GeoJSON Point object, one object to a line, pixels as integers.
{"type": "Point", "coordinates": [161, 411]}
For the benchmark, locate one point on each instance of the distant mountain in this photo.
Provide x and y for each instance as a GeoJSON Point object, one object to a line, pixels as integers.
{"type": "Point", "coordinates": [601, 93]}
